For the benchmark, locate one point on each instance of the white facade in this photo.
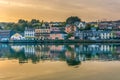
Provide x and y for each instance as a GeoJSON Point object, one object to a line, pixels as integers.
{"type": "Point", "coordinates": [29, 34]}
{"type": "Point", "coordinates": [105, 35]}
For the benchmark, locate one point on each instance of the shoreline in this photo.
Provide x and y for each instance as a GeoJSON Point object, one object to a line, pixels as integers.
{"type": "Point", "coordinates": [61, 41]}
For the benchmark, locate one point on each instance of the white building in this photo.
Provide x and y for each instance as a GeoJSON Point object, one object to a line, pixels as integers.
{"type": "Point", "coordinates": [106, 35]}
{"type": "Point", "coordinates": [80, 25]}
{"type": "Point", "coordinates": [29, 33]}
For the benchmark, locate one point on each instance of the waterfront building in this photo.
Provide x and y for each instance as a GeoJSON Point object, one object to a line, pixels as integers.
{"type": "Point", "coordinates": [29, 33]}
{"type": "Point", "coordinates": [5, 35]}
{"type": "Point", "coordinates": [116, 34]}
{"type": "Point", "coordinates": [43, 32]}
{"type": "Point", "coordinates": [58, 35]}
{"type": "Point", "coordinates": [111, 25]}
{"type": "Point", "coordinates": [93, 34]}
{"type": "Point", "coordinates": [54, 28]}
{"type": "Point", "coordinates": [17, 36]}
{"type": "Point", "coordinates": [70, 29]}
{"type": "Point", "coordinates": [105, 35]}
{"type": "Point", "coordinates": [74, 29]}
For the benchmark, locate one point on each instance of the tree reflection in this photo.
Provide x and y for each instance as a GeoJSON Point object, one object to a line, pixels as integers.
{"type": "Point", "coordinates": [72, 58]}
{"type": "Point", "coordinates": [72, 54]}
{"type": "Point", "coordinates": [73, 62]}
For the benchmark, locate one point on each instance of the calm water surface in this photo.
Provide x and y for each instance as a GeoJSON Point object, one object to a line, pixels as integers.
{"type": "Point", "coordinates": [60, 62]}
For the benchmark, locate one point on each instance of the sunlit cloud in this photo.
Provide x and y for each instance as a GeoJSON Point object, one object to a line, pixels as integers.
{"type": "Point", "coordinates": [59, 10]}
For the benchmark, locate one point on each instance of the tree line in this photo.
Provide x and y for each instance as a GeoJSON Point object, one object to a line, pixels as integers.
{"type": "Point", "coordinates": [34, 23]}
{"type": "Point", "coordinates": [21, 24]}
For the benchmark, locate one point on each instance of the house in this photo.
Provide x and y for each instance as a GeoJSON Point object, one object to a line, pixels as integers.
{"type": "Point", "coordinates": [17, 36]}
{"type": "Point", "coordinates": [80, 25]}
{"type": "Point", "coordinates": [116, 34]}
{"type": "Point", "coordinates": [43, 32]}
{"type": "Point", "coordinates": [57, 28]}
{"type": "Point", "coordinates": [59, 35]}
{"type": "Point", "coordinates": [29, 33]}
{"type": "Point", "coordinates": [105, 34]}
{"type": "Point", "coordinates": [70, 28]}
{"type": "Point", "coordinates": [79, 35]}
{"type": "Point", "coordinates": [92, 34]}
{"type": "Point", "coordinates": [5, 35]}
{"type": "Point", "coordinates": [56, 24]}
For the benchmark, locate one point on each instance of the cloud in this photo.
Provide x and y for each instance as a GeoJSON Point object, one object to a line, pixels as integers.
{"type": "Point", "coordinates": [60, 9]}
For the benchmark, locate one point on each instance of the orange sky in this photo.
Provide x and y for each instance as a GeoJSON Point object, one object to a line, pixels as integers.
{"type": "Point", "coordinates": [59, 10]}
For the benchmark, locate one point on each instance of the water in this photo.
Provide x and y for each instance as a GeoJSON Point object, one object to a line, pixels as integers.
{"type": "Point", "coordinates": [59, 62]}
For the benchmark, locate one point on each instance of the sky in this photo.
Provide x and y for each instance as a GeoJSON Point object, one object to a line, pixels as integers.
{"type": "Point", "coordinates": [59, 10]}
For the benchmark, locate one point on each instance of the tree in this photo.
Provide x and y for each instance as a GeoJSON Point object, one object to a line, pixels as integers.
{"type": "Point", "coordinates": [69, 35]}
{"type": "Point", "coordinates": [88, 26]}
{"type": "Point", "coordinates": [73, 19]}
{"type": "Point", "coordinates": [22, 21]}
{"type": "Point", "coordinates": [21, 25]}
{"type": "Point", "coordinates": [1, 28]}
{"type": "Point", "coordinates": [33, 21]}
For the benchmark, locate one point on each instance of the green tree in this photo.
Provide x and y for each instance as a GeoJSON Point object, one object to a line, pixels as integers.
{"type": "Point", "coordinates": [69, 35]}
{"type": "Point", "coordinates": [22, 21]}
{"type": "Point", "coordinates": [88, 26]}
{"type": "Point", "coordinates": [20, 26]}
{"type": "Point", "coordinates": [72, 20]}
{"type": "Point", "coordinates": [33, 21]}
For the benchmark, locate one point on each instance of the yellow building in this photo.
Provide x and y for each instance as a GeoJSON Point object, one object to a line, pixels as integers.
{"type": "Point", "coordinates": [17, 36]}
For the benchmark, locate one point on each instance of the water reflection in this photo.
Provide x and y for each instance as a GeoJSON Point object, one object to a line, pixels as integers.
{"type": "Point", "coordinates": [72, 54]}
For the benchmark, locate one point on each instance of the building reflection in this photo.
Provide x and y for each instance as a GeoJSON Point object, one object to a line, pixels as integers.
{"type": "Point", "coordinates": [72, 54]}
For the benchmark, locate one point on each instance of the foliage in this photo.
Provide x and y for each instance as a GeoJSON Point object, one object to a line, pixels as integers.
{"type": "Point", "coordinates": [73, 19]}
{"type": "Point", "coordinates": [21, 24]}
{"type": "Point", "coordinates": [69, 35]}
{"type": "Point", "coordinates": [34, 23]}
{"type": "Point", "coordinates": [90, 26]}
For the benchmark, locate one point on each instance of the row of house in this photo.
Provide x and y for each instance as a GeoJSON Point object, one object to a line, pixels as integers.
{"type": "Point", "coordinates": [107, 25]}
{"type": "Point", "coordinates": [94, 35]}
{"type": "Point", "coordinates": [78, 32]}
{"type": "Point", "coordinates": [5, 34]}
{"type": "Point", "coordinates": [53, 32]}
{"type": "Point", "coordinates": [43, 32]}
